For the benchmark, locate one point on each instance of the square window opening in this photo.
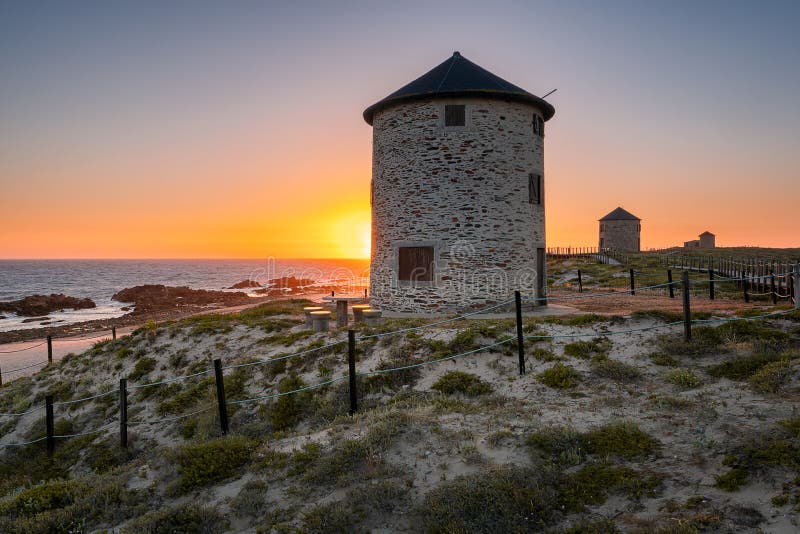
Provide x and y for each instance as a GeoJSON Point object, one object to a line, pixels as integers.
{"type": "Point", "coordinates": [415, 264]}
{"type": "Point", "coordinates": [455, 115]}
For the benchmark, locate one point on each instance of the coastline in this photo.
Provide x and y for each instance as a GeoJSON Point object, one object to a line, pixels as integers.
{"type": "Point", "coordinates": [135, 319]}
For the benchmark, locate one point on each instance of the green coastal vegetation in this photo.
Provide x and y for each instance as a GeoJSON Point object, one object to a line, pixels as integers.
{"type": "Point", "coordinates": [637, 432]}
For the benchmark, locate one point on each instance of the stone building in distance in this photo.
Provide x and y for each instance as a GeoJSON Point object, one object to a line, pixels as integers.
{"type": "Point", "coordinates": [457, 192]}
{"type": "Point", "coordinates": [706, 240]}
{"type": "Point", "coordinates": [620, 230]}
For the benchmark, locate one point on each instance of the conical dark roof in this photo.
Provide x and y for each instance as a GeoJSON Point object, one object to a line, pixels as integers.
{"type": "Point", "coordinates": [459, 77]}
{"type": "Point", "coordinates": [620, 214]}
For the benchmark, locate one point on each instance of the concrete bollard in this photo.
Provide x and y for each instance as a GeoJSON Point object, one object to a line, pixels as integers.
{"type": "Point", "coordinates": [321, 320]}
{"type": "Point", "coordinates": [358, 309]}
{"type": "Point", "coordinates": [371, 316]}
{"type": "Point", "coordinates": [307, 310]}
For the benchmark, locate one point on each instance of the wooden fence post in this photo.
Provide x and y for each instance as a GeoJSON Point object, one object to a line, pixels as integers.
{"type": "Point", "coordinates": [1, 377]}
{"type": "Point", "coordinates": [49, 349]}
{"type": "Point", "coordinates": [520, 339]}
{"type": "Point", "coordinates": [351, 369]}
{"type": "Point", "coordinates": [223, 408]}
{"type": "Point", "coordinates": [123, 413]}
{"type": "Point", "coordinates": [711, 283]}
{"type": "Point", "coordinates": [687, 314]}
{"type": "Point", "coordinates": [49, 425]}
{"type": "Point", "coordinates": [633, 291]}
{"type": "Point", "coordinates": [772, 287]}
{"type": "Point", "coordinates": [744, 288]}
{"type": "Point", "coordinates": [113, 332]}
{"type": "Point", "coordinates": [580, 282]}
{"type": "Point", "coordinates": [671, 287]}
{"type": "Point", "coordinates": [796, 286]}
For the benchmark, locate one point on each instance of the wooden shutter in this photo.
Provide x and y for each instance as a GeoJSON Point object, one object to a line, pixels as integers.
{"type": "Point", "coordinates": [455, 115]}
{"type": "Point", "coordinates": [535, 188]}
{"type": "Point", "coordinates": [415, 264]}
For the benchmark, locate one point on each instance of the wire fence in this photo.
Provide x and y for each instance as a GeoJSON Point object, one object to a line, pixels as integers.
{"type": "Point", "coordinates": [353, 374]}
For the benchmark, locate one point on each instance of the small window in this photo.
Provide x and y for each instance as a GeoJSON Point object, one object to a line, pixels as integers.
{"type": "Point", "coordinates": [535, 188]}
{"type": "Point", "coordinates": [602, 227]}
{"type": "Point", "coordinates": [415, 264]}
{"type": "Point", "coordinates": [540, 122]}
{"type": "Point", "coordinates": [535, 125]}
{"type": "Point", "coordinates": [455, 115]}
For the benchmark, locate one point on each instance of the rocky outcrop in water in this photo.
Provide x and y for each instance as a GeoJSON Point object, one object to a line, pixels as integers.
{"type": "Point", "coordinates": [38, 305]}
{"type": "Point", "coordinates": [151, 297]}
{"type": "Point", "coordinates": [245, 284]}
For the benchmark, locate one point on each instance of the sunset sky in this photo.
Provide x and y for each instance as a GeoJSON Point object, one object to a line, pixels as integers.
{"type": "Point", "coordinates": [234, 129]}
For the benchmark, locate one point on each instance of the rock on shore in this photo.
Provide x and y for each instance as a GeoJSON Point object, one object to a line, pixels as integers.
{"type": "Point", "coordinates": [157, 297]}
{"type": "Point", "coordinates": [39, 305]}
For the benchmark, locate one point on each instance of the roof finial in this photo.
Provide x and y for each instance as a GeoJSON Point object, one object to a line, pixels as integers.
{"type": "Point", "coordinates": [457, 53]}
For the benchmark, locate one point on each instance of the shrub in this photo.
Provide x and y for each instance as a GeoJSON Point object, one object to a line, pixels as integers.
{"type": "Point", "coordinates": [586, 349]}
{"type": "Point", "coordinates": [288, 409]}
{"type": "Point", "coordinates": [592, 483]}
{"type": "Point", "coordinates": [458, 382]}
{"type": "Point", "coordinates": [559, 376]}
{"type": "Point", "coordinates": [332, 517]}
{"type": "Point", "coordinates": [743, 367]}
{"type": "Point", "coordinates": [189, 517]}
{"type": "Point", "coordinates": [731, 480]}
{"type": "Point", "coordinates": [251, 499]}
{"type": "Point", "coordinates": [684, 378]}
{"type": "Point", "coordinates": [562, 444]}
{"type": "Point", "coordinates": [598, 526]}
{"type": "Point", "coordinates": [663, 359]}
{"type": "Point", "coordinates": [623, 439]}
{"type": "Point", "coordinates": [615, 370]}
{"type": "Point", "coordinates": [566, 445]}
{"type": "Point", "coordinates": [543, 355]}
{"type": "Point", "coordinates": [143, 366]}
{"type": "Point", "coordinates": [179, 401]}
{"type": "Point", "coordinates": [395, 379]}
{"type": "Point", "coordinates": [525, 499]}
{"type": "Point", "coordinates": [382, 496]}
{"type": "Point", "coordinates": [510, 499]}
{"type": "Point", "coordinates": [205, 463]}
{"type": "Point", "coordinates": [772, 377]}
{"type": "Point", "coordinates": [37, 499]}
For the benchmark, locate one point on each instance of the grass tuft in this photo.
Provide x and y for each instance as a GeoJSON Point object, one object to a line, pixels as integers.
{"type": "Point", "coordinates": [467, 384]}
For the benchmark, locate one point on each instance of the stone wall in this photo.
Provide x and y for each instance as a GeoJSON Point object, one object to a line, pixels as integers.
{"type": "Point", "coordinates": [463, 191]}
{"type": "Point", "coordinates": [620, 235]}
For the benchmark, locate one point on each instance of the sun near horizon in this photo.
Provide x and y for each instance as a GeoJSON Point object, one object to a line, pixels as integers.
{"type": "Point", "coordinates": [238, 133]}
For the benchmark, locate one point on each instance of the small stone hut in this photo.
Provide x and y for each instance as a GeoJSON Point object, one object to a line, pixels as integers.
{"type": "Point", "coordinates": [620, 230]}
{"type": "Point", "coordinates": [707, 240]}
{"type": "Point", "coordinates": [457, 191]}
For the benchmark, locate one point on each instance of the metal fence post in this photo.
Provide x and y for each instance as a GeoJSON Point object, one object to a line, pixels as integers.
{"type": "Point", "coordinates": [687, 314]}
{"type": "Point", "coordinates": [223, 408]}
{"type": "Point", "coordinates": [580, 282]}
{"type": "Point", "coordinates": [351, 370]}
{"type": "Point", "coordinates": [520, 339]}
{"type": "Point", "coordinates": [123, 412]}
{"type": "Point", "coordinates": [49, 349]}
{"type": "Point", "coordinates": [671, 287]}
{"type": "Point", "coordinates": [49, 425]}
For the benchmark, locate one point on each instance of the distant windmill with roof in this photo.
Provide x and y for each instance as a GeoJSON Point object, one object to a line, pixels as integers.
{"type": "Point", "coordinates": [620, 230]}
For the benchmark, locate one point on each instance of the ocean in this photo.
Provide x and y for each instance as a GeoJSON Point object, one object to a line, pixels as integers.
{"type": "Point", "coordinates": [100, 279]}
